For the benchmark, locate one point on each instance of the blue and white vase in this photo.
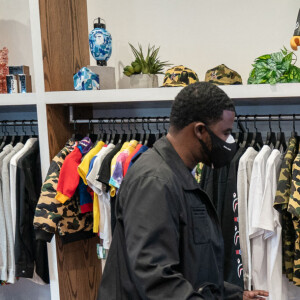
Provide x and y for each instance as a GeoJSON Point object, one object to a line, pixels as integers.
{"type": "Point", "coordinates": [100, 43]}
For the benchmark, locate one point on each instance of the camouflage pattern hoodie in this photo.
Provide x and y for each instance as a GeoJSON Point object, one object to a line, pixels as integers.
{"type": "Point", "coordinates": [52, 215]}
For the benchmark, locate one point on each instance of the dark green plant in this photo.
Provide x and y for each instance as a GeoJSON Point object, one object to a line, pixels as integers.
{"type": "Point", "coordinates": [274, 68]}
{"type": "Point", "coordinates": [150, 64]}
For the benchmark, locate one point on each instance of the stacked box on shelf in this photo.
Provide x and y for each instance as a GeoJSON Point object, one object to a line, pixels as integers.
{"type": "Point", "coordinates": [3, 70]}
{"type": "Point", "coordinates": [19, 80]}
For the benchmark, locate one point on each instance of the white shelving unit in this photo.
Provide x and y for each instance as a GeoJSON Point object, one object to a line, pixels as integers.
{"type": "Point", "coordinates": [280, 94]}
{"type": "Point", "coordinates": [18, 99]}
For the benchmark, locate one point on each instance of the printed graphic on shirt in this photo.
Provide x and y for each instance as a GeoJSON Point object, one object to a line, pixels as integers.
{"type": "Point", "coordinates": [240, 265]}
{"type": "Point", "coordinates": [236, 237]}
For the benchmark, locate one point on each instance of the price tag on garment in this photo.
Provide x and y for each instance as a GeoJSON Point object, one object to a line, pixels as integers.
{"type": "Point", "coordinates": [101, 252]}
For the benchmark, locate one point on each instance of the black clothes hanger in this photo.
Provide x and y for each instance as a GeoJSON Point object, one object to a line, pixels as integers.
{"type": "Point", "coordinates": [130, 132]}
{"type": "Point", "coordinates": [91, 134]}
{"type": "Point", "coordinates": [143, 134]}
{"type": "Point", "coordinates": [101, 132]}
{"type": "Point", "coordinates": [7, 138]}
{"type": "Point", "coordinates": [294, 133]}
{"type": "Point", "coordinates": [115, 136]}
{"type": "Point", "coordinates": [257, 141]}
{"type": "Point", "coordinates": [136, 135]}
{"type": "Point", "coordinates": [271, 136]}
{"type": "Point", "coordinates": [24, 137]}
{"type": "Point", "coordinates": [164, 126]}
{"type": "Point", "coordinates": [108, 132]}
{"type": "Point", "coordinates": [76, 135]}
{"type": "Point", "coordinates": [158, 133]}
{"type": "Point", "coordinates": [239, 134]}
{"type": "Point", "coordinates": [123, 136]}
{"type": "Point", "coordinates": [281, 142]}
{"type": "Point", "coordinates": [248, 136]}
{"type": "Point", "coordinates": [151, 137]}
{"type": "Point", "coordinates": [15, 137]}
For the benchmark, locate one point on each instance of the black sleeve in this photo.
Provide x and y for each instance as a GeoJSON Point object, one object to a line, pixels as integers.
{"type": "Point", "coordinates": [151, 226]}
{"type": "Point", "coordinates": [24, 256]}
{"type": "Point", "coordinates": [232, 291]}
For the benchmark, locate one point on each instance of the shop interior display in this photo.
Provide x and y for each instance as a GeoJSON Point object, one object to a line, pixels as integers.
{"type": "Point", "coordinates": [70, 271]}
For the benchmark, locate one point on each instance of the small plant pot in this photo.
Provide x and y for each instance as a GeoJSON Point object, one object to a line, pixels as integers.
{"type": "Point", "coordinates": [143, 81]}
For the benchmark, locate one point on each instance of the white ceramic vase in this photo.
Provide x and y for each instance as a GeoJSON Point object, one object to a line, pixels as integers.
{"type": "Point", "coordinates": [143, 81]}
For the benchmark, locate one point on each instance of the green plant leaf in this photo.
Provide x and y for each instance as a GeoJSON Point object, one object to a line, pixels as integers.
{"type": "Point", "coordinates": [277, 57]}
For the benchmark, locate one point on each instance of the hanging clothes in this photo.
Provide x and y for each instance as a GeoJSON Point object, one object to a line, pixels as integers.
{"type": "Point", "coordinates": [3, 234]}
{"type": "Point", "coordinates": [243, 185]}
{"type": "Point", "coordinates": [69, 178]}
{"type": "Point", "coordinates": [221, 186]}
{"type": "Point", "coordinates": [104, 177]}
{"type": "Point", "coordinates": [51, 215]}
{"type": "Point", "coordinates": [233, 267]}
{"type": "Point", "coordinates": [267, 255]}
{"type": "Point", "coordinates": [30, 254]}
{"type": "Point", "coordinates": [281, 204]}
{"type": "Point", "coordinates": [294, 210]}
{"type": "Point", "coordinates": [20, 176]}
{"type": "Point", "coordinates": [8, 213]}
{"type": "Point", "coordinates": [257, 184]}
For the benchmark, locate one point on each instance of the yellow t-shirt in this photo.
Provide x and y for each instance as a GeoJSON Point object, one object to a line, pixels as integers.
{"type": "Point", "coordinates": [96, 214]}
{"type": "Point", "coordinates": [83, 168]}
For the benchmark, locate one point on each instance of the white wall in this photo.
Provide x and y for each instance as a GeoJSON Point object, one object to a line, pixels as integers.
{"type": "Point", "coordinates": [200, 34]}
{"type": "Point", "coordinates": [15, 33]}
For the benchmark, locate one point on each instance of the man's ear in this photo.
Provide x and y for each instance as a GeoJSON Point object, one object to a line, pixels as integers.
{"type": "Point", "coordinates": [199, 129]}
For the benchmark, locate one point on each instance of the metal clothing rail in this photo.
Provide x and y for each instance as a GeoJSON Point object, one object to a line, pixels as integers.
{"type": "Point", "coordinates": [132, 120]}
{"type": "Point", "coordinates": [18, 123]}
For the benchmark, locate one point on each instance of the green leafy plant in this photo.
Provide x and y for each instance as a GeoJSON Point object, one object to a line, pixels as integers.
{"type": "Point", "coordinates": [274, 68]}
{"type": "Point", "coordinates": [150, 64]}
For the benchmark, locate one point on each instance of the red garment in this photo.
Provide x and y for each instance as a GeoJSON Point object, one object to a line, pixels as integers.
{"type": "Point", "coordinates": [128, 159]}
{"type": "Point", "coordinates": [68, 178]}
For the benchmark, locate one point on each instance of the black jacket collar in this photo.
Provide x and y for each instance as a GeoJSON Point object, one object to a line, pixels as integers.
{"type": "Point", "coordinates": [171, 157]}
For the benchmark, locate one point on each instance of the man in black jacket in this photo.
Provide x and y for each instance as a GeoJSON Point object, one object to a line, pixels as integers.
{"type": "Point", "coordinates": [167, 242]}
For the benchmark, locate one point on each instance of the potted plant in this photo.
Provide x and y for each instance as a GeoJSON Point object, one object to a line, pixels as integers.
{"type": "Point", "coordinates": [143, 70]}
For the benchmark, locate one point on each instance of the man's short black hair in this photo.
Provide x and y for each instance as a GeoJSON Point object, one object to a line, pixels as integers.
{"type": "Point", "coordinates": [199, 102]}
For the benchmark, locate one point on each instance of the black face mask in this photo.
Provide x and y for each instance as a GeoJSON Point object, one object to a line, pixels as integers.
{"type": "Point", "coordinates": [221, 152]}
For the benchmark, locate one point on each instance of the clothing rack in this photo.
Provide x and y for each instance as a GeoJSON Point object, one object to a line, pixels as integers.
{"type": "Point", "coordinates": [18, 123]}
{"type": "Point", "coordinates": [132, 120]}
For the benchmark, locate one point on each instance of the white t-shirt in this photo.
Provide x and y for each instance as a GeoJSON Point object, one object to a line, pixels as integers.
{"type": "Point", "coordinates": [256, 190]}
{"type": "Point", "coordinates": [7, 212]}
{"type": "Point", "coordinates": [243, 184]}
{"type": "Point", "coordinates": [271, 239]}
{"type": "Point", "coordinates": [95, 185]}
{"type": "Point", "coordinates": [3, 233]}
{"type": "Point", "coordinates": [103, 197]}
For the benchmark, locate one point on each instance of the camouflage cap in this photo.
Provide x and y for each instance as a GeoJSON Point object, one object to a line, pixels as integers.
{"type": "Point", "coordinates": [179, 76]}
{"type": "Point", "coordinates": [222, 75]}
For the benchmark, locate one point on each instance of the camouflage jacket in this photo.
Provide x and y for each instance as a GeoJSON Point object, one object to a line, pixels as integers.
{"type": "Point", "coordinates": [294, 209]}
{"type": "Point", "coordinates": [281, 204]}
{"type": "Point", "coordinates": [51, 215]}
